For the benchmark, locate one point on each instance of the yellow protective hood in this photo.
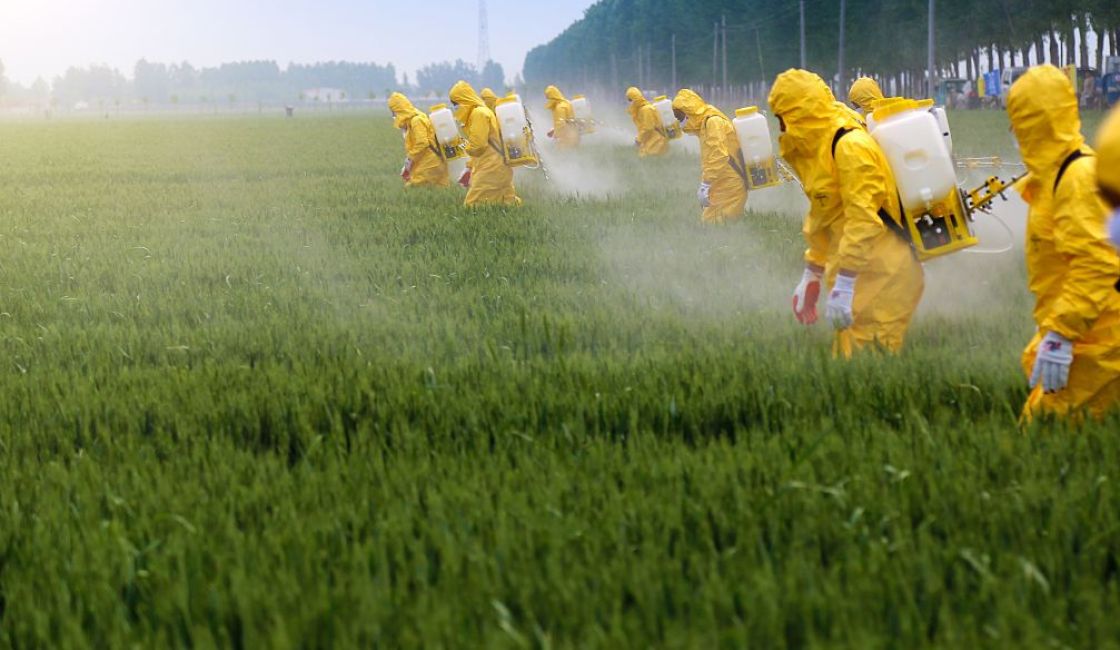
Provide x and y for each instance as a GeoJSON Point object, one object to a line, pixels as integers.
{"type": "Point", "coordinates": [553, 96]}
{"type": "Point", "coordinates": [809, 111]}
{"type": "Point", "coordinates": [403, 110]}
{"type": "Point", "coordinates": [464, 95]}
{"type": "Point", "coordinates": [864, 92]}
{"type": "Point", "coordinates": [1042, 107]}
{"type": "Point", "coordinates": [1108, 154]}
{"type": "Point", "coordinates": [489, 98]}
{"type": "Point", "coordinates": [695, 109]}
{"type": "Point", "coordinates": [637, 100]}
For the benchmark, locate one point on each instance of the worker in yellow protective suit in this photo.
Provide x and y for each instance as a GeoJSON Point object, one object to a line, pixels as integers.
{"type": "Point", "coordinates": [723, 184]}
{"type": "Point", "coordinates": [1074, 360]}
{"type": "Point", "coordinates": [1108, 170]}
{"type": "Point", "coordinates": [652, 139]}
{"type": "Point", "coordinates": [864, 93]}
{"type": "Point", "coordinates": [489, 98]}
{"type": "Point", "coordinates": [856, 237]}
{"type": "Point", "coordinates": [564, 128]}
{"type": "Point", "coordinates": [490, 178]}
{"type": "Point", "coordinates": [423, 165]}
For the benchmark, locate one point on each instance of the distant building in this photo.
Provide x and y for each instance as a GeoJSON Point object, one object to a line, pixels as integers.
{"type": "Point", "coordinates": [325, 95]}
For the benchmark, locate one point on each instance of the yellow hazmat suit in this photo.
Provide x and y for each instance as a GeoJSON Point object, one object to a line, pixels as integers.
{"type": "Point", "coordinates": [491, 177]}
{"type": "Point", "coordinates": [564, 128]}
{"type": "Point", "coordinates": [721, 159]}
{"type": "Point", "coordinates": [864, 93]}
{"type": "Point", "coordinates": [652, 139]}
{"type": "Point", "coordinates": [1072, 270]}
{"type": "Point", "coordinates": [426, 167]}
{"type": "Point", "coordinates": [1108, 158]}
{"type": "Point", "coordinates": [489, 98]}
{"type": "Point", "coordinates": [850, 194]}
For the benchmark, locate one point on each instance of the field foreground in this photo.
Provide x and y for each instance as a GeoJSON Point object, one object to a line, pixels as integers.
{"type": "Point", "coordinates": [254, 394]}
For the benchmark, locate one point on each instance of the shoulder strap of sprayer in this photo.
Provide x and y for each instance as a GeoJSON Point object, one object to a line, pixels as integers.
{"type": "Point", "coordinates": [884, 216]}
{"type": "Point", "coordinates": [1070, 159]}
{"type": "Point", "coordinates": [737, 163]}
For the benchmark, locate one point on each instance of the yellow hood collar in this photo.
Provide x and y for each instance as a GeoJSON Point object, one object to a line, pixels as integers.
{"type": "Point", "coordinates": [1042, 107]}
{"type": "Point", "coordinates": [464, 95]}
{"type": "Point", "coordinates": [554, 97]}
{"type": "Point", "coordinates": [489, 98]}
{"type": "Point", "coordinates": [637, 100]}
{"type": "Point", "coordinates": [695, 109]}
{"type": "Point", "coordinates": [1108, 153]}
{"type": "Point", "coordinates": [864, 92]}
{"type": "Point", "coordinates": [810, 112]}
{"type": "Point", "coordinates": [403, 110]}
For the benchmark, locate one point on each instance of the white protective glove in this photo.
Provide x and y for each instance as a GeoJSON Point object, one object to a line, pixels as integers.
{"type": "Point", "coordinates": [704, 195]}
{"type": "Point", "coordinates": [839, 308]}
{"type": "Point", "coordinates": [806, 295]}
{"type": "Point", "coordinates": [1051, 365]}
{"type": "Point", "coordinates": [1114, 228]}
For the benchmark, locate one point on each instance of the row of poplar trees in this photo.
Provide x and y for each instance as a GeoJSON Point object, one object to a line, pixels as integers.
{"type": "Point", "coordinates": [622, 42]}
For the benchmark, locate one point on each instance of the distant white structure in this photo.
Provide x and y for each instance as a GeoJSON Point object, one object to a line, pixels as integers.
{"type": "Point", "coordinates": [326, 95]}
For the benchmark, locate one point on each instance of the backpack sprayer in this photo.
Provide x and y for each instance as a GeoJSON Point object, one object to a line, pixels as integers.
{"type": "Point", "coordinates": [670, 127]}
{"type": "Point", "coordinates": [938, 215]}
{"type": "Point", "coordinates": [518, 145]}
{"type": "Point", "coordinates": [452, 145]}
{"type": "Point", "coordinates": [584, 121]}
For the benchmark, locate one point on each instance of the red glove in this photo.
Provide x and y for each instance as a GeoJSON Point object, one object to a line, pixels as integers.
{"type": "Point", "coordinates": [806, 295]}
{"type": "Point", "coordinates": [465, 179]}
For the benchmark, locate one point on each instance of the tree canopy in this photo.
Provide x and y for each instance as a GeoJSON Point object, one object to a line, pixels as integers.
{"type": "Point", "coordinates": [618, 38]}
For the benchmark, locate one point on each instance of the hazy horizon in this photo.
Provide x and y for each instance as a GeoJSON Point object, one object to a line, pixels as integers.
{"type": "Point", "coordinates": [45, 38]}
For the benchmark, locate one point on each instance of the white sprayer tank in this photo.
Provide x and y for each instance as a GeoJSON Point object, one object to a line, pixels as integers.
{"type": "Point", "coordinates": [447, 130]}
{"type": "Point", "coordinates": [511, 119]}
{"type": "Point", "coordinates": [911, 138]}
{"type": "Point", "coordinates": [758, 149]}
{"type": "Point", "coordinates": [943, 123]}
{"type": "Point", "coordinates": [668, 121]}
{"type": "Point", "coordinates": [581, 107]}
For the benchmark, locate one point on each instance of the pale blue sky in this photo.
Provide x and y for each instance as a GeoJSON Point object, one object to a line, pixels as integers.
{"type": "Point", "coordinates": [44, 37]}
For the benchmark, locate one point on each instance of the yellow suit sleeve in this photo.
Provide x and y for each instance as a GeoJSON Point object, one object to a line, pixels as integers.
{"type": "Point", "coordinates": [1092, 267]}
{"type": "Point", "coordinates": [648, 121]}
{"type": "Point", "coordinates": [715, 149]}
{"type": "Point", "coordinates": [819, 240]}
{"type": "Point", "coordinates": [478, 134]}
{"type": "Point", "coordinates": [863, 188]}
{"type": "Point", "coordinates": [419, 135]}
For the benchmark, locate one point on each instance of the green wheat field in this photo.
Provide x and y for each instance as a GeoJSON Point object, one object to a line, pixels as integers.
{"type": "Point", "coordinates": [255, 394]}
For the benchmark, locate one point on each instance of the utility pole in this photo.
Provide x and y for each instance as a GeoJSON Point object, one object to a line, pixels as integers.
{"type": "Point", "coordinates": [723, 29]}
{"type": "Point", "coordinates": [841, 82]}
{"type": "Point", "coordinates": [715, 53]}
{"type": "Point", "coordinates": [637, 56]}
{"type": "Point", "coordinates": [758, 41]}
{"type": "Point", "coordinates": [673, 42]}
{"type": "Point", "coordinates": [929, 61]}
{"type": "Point", "coordinates": [802, 34]}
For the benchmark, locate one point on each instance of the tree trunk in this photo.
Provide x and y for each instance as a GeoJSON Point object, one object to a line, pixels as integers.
{"type": "Point", "coordinates": [1054, 54]}
{"type": "Point", "coordinates": [1100, 49]}
{"type": "Point", "coordinates": [1040, 50]}
{"type": "Point", "coordinates": [1071, 42]}
{"type": "Point", "coordinates": [991, 61]}
{"type": "Point", "coordinates": [1083, 30]}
